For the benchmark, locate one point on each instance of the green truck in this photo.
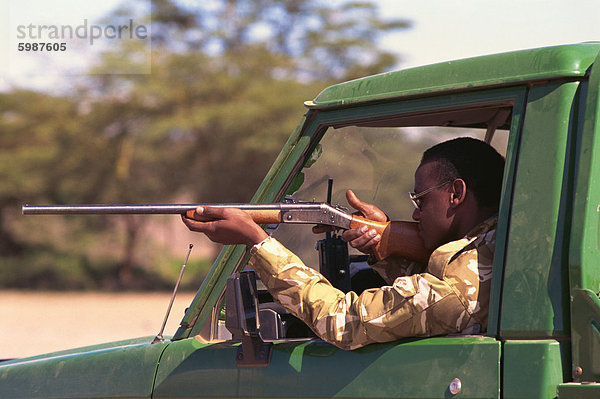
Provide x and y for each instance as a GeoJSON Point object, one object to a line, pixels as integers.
{"type": "Point", "coordinates": [541, 109]}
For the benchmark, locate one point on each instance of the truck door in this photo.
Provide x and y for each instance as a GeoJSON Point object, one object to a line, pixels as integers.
{"type": "Point", "coordinates": [424, 368]}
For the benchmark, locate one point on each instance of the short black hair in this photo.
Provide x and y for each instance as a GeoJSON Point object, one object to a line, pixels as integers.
{"type": "Point", "coordinates": [474, 161]}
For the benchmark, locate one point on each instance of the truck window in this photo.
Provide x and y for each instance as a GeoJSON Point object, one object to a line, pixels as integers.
{"type": "Point", "coordinates": [374, 150]}
{"type": "Point", "coordinates": [377, 163]}
{"type": "Point", "coordinates": [376, 158]}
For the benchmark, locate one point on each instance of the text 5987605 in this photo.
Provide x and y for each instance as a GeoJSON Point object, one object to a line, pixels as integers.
{"type": "Point", "coordinates": [41, 46]}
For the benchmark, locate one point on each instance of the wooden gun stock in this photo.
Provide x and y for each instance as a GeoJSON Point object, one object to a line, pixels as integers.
{"type": "Point", "coordinates": [398, 238]}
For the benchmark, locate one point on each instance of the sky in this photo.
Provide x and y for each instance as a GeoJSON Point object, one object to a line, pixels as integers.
{"type": "Point", "coordinates": [441, 30]}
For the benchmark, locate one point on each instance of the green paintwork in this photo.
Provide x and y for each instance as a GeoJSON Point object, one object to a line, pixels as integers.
{"type": "Point", "coordinates": [535, 300]}
{"type": "Point", "coordinates": [586, 335]}
{"type": "Point", "coordinates": [584, 251]}
{"type": "Point", "coordinates": [412, 368]}
{"type": "Point", "coordinates": [123, 369]}
{"type": "Point", "coordinates": [578, 391]}
{"type": "Point", "coordinates": [544, 318]}
{"type": "Point", "coordinates": [533, 368]}
{"type": "Point", "coordinates": [519, 98]}
{"type": "Point", "coordinates": [493, 70]}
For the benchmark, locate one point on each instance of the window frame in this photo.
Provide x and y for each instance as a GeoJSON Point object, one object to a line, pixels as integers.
{"type": "Point", "coordinates": [297, 152]}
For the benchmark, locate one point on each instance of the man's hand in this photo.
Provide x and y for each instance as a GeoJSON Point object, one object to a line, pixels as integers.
{"type": "Point", "coordinates": [366, 210]}
{"type": "Point", "coordinates": [226, 226]}
{"type": "Point", "coordinates": [361, 238]}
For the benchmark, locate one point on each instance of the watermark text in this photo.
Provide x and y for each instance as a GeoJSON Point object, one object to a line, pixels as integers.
{"type": "Point", "coordinates": [90, 32]}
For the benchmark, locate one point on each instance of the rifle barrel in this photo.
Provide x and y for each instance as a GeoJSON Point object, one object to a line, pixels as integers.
{"type": "Point", "coordinates": [159, 209]}
{"type": "Point", "coordinates": [302, 212]}
{"type": "Point", "coordinates": [131, 209]}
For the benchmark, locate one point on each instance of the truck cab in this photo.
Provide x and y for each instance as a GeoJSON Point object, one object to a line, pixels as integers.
{"type": "Point", "coordinates": [540, 108]}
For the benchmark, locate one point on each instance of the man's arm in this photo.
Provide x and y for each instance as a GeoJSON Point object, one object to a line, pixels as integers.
{"type": "Point", "coordinates": [393, 267]}
{"type": "Point", "coordinates": [418, 305]}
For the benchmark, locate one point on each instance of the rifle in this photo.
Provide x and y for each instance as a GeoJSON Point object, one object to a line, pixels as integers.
{"type": "Point", "coordinates": [400, 238]}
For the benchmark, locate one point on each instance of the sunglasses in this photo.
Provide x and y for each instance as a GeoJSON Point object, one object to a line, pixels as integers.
{"type": "Point", "coordinates": [417, 199]}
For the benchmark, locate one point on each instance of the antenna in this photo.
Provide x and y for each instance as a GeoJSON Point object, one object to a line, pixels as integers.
{"type": "Point", "coordinates": [329, 190]}
{"type": "Point", "coordinates": [159, 336]}
{"type": "Point", "coordinates": [329, 194]}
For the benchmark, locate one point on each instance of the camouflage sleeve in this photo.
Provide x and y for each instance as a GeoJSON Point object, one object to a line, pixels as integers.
{"type": "Point", "coordinates": [418, 305]}
{"type": "Point", "coordinates": [393, 267]}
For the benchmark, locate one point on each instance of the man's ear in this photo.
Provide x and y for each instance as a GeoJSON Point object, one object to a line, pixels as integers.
{"type": "Point", "coordinates": [458, 193]}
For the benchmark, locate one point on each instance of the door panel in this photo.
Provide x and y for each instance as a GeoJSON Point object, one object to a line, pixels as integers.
{"type": "Point", "coordinates": [420, 368]}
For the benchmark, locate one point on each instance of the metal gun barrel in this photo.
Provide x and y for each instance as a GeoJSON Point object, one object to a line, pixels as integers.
{"type": "Point", "coordinates": [302, 212]}
{"type": "Point", "coordinates": [130, 209]}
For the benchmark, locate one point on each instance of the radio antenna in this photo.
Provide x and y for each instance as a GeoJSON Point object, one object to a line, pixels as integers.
{"type": "Point", "coordinates": [159, 336]}
{"type": "Point", "coordinates": [329, 195]}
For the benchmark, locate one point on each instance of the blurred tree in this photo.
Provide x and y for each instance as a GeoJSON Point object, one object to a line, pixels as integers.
{"type": "Point", "coordinates": [226, 87]}
{"type": "Point", "coordinates": [38, 132]}
{"type": "Point", "coordinates": [230, 77]}
{"type": "Point", "coordinates": [311, 39]}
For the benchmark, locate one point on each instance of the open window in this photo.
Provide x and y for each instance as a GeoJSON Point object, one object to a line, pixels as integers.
{"type": "Point", "coordinates": [377, 158]}
{"type": "Point", "coordinates": [374, 150]}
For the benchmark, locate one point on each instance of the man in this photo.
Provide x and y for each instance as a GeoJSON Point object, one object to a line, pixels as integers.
{"type": "Point", "coordinates": [456, 198]}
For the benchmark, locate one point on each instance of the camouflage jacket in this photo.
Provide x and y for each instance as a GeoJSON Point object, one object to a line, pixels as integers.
{"type": "Point", "coordinates": [451, 296]}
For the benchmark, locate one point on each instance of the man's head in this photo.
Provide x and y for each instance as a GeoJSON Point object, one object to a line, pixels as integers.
{"type": "Point", "coordinates": [464, 177]}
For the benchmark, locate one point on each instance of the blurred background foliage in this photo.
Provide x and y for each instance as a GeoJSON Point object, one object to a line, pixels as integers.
{"type": "Point", "coordinates": [228, 81]}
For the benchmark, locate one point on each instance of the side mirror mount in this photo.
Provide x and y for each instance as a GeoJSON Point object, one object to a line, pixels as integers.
{"type": "Point", "coordinates": [243, 321]}
{"type": "Point", "coordinates": [242, 304]}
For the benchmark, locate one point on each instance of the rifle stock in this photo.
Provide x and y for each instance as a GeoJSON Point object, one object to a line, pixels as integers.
{"type": "Point", "coordinates": [398, 238]}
